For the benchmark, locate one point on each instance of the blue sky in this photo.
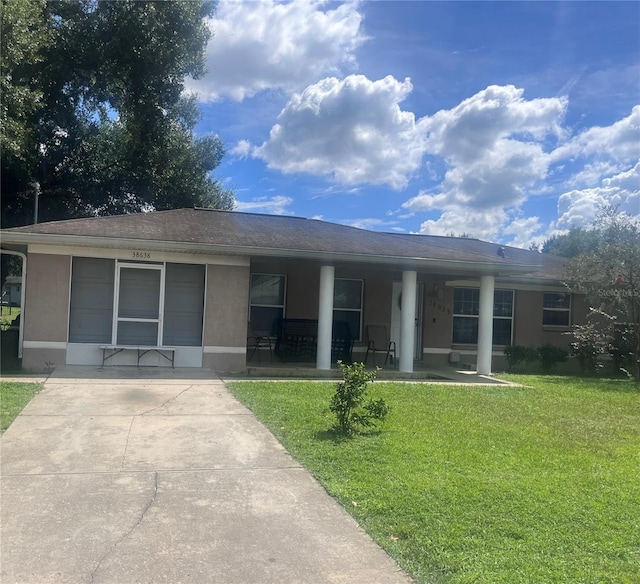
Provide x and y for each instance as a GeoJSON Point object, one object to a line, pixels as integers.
{"type": "Point", "coordinates": [507, 121]}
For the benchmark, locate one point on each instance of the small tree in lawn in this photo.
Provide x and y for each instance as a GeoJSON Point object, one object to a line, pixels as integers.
{"type": "Point", "coordinates": [349, 402]}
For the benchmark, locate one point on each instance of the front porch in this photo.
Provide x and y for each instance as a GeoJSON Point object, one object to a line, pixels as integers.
{"type": "Point", "coordinates": [414, 309]}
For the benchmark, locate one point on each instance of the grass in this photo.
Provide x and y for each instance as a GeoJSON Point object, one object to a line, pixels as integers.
{"type": "Point", "coordinates": [13, 397]}
{"type": "Point", "coordinates": [481, 484]}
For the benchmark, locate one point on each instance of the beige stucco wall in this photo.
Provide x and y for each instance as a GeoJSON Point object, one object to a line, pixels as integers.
{"type": "Point", "coordinates": [528, 328]}
{"type": "Point", "coordinates": [303, 284]}
{"type": "Point", "coordinates": [43, 360]}
{"type": "Point", "coordinates": [47, 298]}
{"type": "Point", "coordinates": [225, 319]}
{"type": "Point", "coordinates": [46, 311]}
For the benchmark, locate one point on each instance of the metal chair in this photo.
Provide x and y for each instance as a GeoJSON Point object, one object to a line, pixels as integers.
{"type": "Point", "coordinates": [379, 342]}
{"type": "Point", "coordinates": [257, 341]}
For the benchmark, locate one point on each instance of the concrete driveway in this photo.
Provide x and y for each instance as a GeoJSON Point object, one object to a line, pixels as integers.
{"type": "Point", "coordinates": [109, 478]}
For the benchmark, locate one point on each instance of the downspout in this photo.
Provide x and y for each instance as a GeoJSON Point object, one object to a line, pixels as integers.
{"type": "Point", "coordinates": [22, 295]}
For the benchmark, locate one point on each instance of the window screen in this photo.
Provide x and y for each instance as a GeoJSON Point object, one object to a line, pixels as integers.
{"type": "Point", "coordinates": [91, 309]}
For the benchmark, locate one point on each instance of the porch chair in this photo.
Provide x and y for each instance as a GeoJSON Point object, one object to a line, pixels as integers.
{"type": "Point", "coordinates": [379, 342]}
{"type": "Point", "coordinates": [257, 341]}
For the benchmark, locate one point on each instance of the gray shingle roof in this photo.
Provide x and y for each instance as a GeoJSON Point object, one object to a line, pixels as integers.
{"type": "Point", "coordinates": [234, 231]}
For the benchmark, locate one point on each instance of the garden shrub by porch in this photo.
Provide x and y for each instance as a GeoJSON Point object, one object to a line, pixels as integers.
{"type": "Point", "coordinates": [516, 354]}
{"type": "Point", "coordinates": [547, 355]}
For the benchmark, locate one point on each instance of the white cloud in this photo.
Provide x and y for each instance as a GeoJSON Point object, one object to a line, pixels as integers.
{"type": "Point", "coordinates": [579, 207]}
{"type": "Point", "coordinates": [500, 175]}
{"type": "Point", "coordinates": [499, 148]}
{"type": "Point", "coordinates": [272, 205]}
{"type": "Point", "coordinates": [592, 173]}
{"type": "Point", "coordinates": [425, 201]}
{"type": "Point", "coordinates": [242, 149]}
{"type": "Point", "coordinates": [494, 145]}
{"type": "Point", "coordinates": [370, 223]}
{"type": "Point", "coordinates": [628, 181]}
{"type": "Point", "coordinates": [524, 230]}
{"type": "Point", "coordinates": [458, 220]}
{"type": "Point", "coordinates": [479, 123]}
{"type": "Point", "coordinates": [267, 44]}
{"type": "Point", "coordinates": [352, 130]}
{"type": "Point", "coordinates": [618, 141]}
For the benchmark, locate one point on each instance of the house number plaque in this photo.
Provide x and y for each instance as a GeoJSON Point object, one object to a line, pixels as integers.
{"type": "Point", "coordinates": [141, 255]}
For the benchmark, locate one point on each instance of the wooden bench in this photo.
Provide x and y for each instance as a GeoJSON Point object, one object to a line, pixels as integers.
{"type": "Point", "coordinates": [108, 351]}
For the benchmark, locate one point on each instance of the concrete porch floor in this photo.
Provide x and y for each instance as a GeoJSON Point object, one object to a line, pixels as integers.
{"type": "Point", "coordinates": [266, 369]}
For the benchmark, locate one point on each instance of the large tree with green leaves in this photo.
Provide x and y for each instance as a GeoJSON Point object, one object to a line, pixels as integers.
{"type": "Point", "coordinates": [576, 241]}
{"type": "Point", "coordinates": [608, 272]}
{"type": "Point", "coordinates": [94, 113]}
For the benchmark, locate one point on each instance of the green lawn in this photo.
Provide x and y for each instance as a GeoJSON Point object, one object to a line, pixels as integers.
{"type": "Point", "coordinates": [13, 397]}
{"type": "Point", "coordinates": [536, 484]}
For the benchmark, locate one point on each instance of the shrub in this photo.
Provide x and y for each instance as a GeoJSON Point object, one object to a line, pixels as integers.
{"type": "Point", "coordinates": [348, 403]}
{"type": "Point", "coordinates": [591, 343]}
{"type": "Point", "coordinates": [550, 355]}
{"type": "Point", "coordinates": [516, 354]}
{"type": "Point", "coordinates": [622, 347]}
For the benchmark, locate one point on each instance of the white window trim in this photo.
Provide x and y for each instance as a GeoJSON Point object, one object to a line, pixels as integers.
{"type": "Point", "coordinates": [494, 317]}
{"type": "Point", "coordinates": [116, 299]}
{"type": "Point", "coordinates": [567, 310]}
{"type": "Point", "coordinates": [359, 337]}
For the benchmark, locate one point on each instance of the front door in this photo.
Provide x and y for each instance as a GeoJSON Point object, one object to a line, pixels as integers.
{"type": "Point", "coordinates": [396, 314]}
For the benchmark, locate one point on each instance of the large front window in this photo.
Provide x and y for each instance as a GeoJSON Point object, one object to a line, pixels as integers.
{"type": "Point", "coordinates": [267, 300]}
{"type": "Point", "coordinates": [466, 311]}
{"type": "Point", "coordinates": [347, 305]}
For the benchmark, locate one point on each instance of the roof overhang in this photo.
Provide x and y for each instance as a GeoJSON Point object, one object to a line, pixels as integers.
{"type": "Point", "coordinates": [398, 262]}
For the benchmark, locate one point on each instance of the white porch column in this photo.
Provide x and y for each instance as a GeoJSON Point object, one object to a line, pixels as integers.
{"type": "Point", "coordinates": [408, 320]}
{"type": "Point", "coordinates": [485, 325]}
{"type": "Point", "coordinates": [325, 318]}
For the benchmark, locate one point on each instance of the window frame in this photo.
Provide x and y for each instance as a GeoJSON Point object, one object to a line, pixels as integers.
{"type": "Point", "coordinates": [359, 310]}
{"type": "Point", "coordinates": [259, 305]}
{"type": "Point", "coordinates": [477, 316]}
{"type": "Point", "coordinates": [546, 310]}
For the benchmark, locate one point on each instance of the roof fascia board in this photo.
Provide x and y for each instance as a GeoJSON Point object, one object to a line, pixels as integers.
{"type": "Point", "coordinates": [551, 286]}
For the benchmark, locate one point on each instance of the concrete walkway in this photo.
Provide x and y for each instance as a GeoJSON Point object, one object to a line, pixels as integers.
{"type": "Point", "coordinates": [109, 479]}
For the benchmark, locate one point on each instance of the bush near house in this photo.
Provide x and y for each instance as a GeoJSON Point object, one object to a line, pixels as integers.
{"type": "Point", "coordinates": [547, 356]}
{"type": "Point", "coordinates": [517, 354]}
